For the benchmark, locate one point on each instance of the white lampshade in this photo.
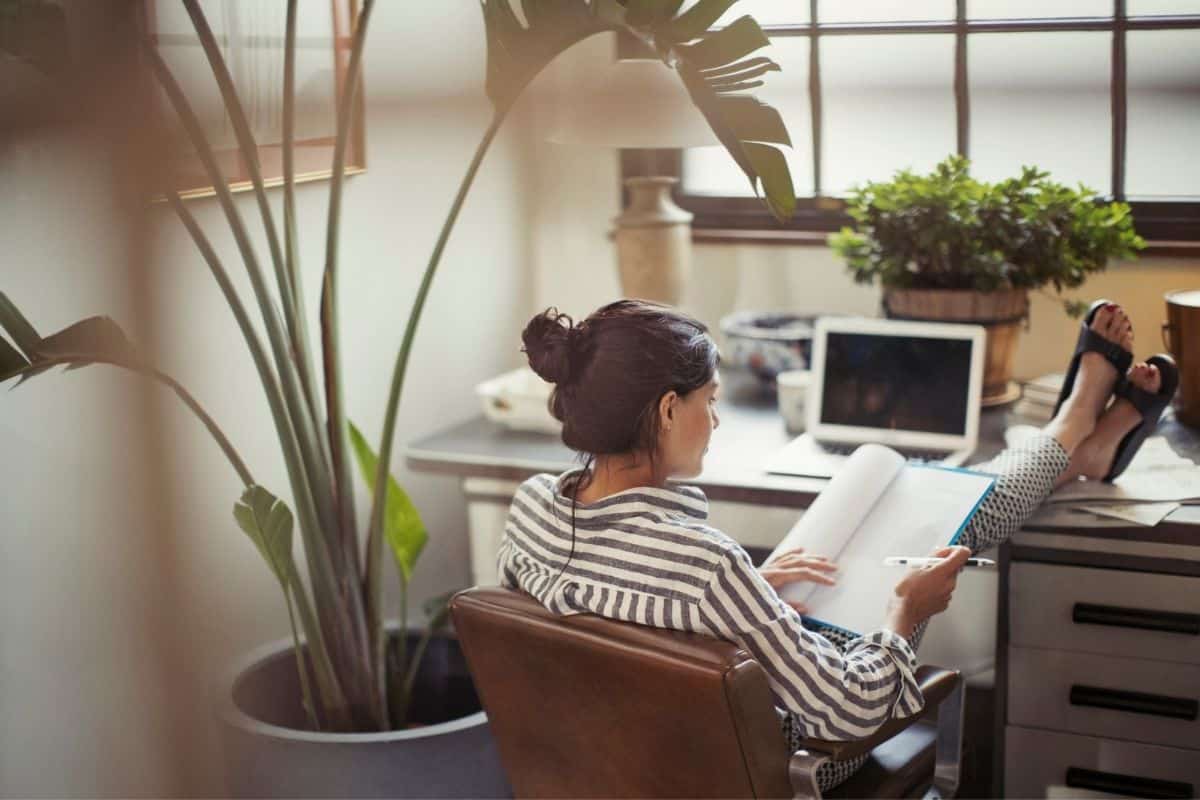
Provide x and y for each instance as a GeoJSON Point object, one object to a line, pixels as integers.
{"type": "Point", "coordinates": [635, 102]}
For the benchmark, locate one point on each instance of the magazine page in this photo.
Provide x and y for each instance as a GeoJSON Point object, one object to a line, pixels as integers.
{"type": "Point", "coordinates": [830, 522]}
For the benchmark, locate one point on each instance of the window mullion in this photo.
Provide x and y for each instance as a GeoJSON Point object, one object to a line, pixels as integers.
{"type": "Point", "coordinates": [814, 94]}
{"type": "Point", "coordinates": [1119, 99]}
{"type": "Point", "coordinates": [962, 97]}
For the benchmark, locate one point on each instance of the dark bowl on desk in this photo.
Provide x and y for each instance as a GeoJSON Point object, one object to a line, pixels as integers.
{"type": "Point", "coordinates": [766, 343]}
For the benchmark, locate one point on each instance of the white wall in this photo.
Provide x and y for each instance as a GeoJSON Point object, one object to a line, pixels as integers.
{"type": "Point", "coordinates": [81, 703]}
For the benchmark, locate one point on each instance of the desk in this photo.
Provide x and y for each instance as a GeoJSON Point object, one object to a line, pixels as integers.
{"type": "Point", "coordinates": [487, 456]}
{"type": "Point", "coordinates": [1036, 642]}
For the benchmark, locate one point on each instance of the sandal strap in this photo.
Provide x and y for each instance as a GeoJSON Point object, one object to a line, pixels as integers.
{"type": "Point", "coordinates": [1142, 400]}
{"type": "Point", "coordinates": [1116, 355]}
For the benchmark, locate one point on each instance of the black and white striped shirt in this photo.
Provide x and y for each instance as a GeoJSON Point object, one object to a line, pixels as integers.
{"type": "Point", "coordinates": [646, 555]}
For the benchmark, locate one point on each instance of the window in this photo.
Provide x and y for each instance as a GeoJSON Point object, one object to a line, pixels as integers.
{"type": "Point", "coordinates": [251, 36]}
{"type": "Point", "coordinates": [1103, 92]}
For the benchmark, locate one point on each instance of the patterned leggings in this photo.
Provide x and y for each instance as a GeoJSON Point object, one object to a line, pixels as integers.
{"type": "Point", "coordinates": [1025, 476]}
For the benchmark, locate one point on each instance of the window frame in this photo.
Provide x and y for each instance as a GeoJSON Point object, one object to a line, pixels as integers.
{"type": "Point", "coordinates": [313, 156]}
{"type": "Point", "coordinates": [1169, 226]}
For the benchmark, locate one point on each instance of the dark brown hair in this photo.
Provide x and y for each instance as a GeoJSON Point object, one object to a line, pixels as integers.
{"type": "Point", "coordinates": [611, 370]}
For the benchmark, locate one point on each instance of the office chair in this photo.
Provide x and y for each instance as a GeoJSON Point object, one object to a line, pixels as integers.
{"type": "Point", "coordinates": [582, 706]}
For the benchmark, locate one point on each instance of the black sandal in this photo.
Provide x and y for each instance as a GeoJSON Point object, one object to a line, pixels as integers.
{"type": "Point", "coordinates": [1090, 341]}
{"type": "Point", "coordinates": [1151, 407]}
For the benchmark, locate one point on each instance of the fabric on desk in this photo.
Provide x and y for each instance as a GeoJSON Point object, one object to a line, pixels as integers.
{"type": "Point", "coordinates": [1025, 477]}
{"type": "Point", "coordinates": [646, 555]}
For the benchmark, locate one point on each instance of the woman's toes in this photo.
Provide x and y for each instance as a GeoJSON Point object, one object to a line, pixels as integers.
{"type": "Point", "coordinates": [1127, 337]}
{"type": "Point", "coordinates": [1146, 377]}
{"type": "Point", "coordinates": [1103, 320]}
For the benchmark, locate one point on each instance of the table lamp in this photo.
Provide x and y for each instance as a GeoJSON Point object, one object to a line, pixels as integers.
{"type": "Point", "coordinates": [641, 103]}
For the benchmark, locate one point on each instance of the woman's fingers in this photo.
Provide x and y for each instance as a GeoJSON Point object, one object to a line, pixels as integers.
{"type": "Point", "coordinates": [794, 560]}
{"type": "Point", "coordinates": [800, 607]}
{"type": "Point", "coordinates": [777, 576]}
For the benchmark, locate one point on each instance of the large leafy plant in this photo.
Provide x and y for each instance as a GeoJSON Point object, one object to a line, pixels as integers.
{"type": "Point", "coordinates": [947, 230]}
{"type": "Point", "coordinates": [350, 678]}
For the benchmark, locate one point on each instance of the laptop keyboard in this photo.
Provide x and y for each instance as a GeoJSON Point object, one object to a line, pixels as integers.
{"type": "Point", "coordinates": [912, 456]}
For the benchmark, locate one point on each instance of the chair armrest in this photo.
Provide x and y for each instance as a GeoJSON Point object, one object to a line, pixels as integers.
{"type": "Point", "coordinates": [936, 684]}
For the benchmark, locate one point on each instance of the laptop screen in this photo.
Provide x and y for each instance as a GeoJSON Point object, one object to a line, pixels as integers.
{"type": "Point", "coordinates": [909, 383]}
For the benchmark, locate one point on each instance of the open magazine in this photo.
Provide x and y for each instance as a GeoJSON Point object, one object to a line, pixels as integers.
{"type": "Point", "coordinates": [878, 505]}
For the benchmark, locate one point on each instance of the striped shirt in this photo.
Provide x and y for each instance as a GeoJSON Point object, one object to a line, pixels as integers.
{"type": "Point", "coordinates": [646, 555]}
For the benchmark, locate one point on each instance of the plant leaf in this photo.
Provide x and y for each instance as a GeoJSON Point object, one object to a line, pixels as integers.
{"type": "Point", "coordinates": [697, 19]}
{"type": "Point", "coordinates": [23, 334]}
{"type": "Point", "coordinates": [713, 68]}
{"type": "Point", "coordinates": [11, 359]}
{"type": "Point", "coordinates": [402, 525]}
{"type": "Point", "coordinates": [88, 339]}
{"type": "Point", "coordinates": [733, 118]}
{"type": "Point", "coordinates": [516, 54]}
{"type": "Point", "coordinates": [268, 522]}
{"type": "Point", "coordinates": [647, 13]}
{"type": "Point", "coordinates": [726, 45]}
{"type": "Point", "coordinates": [773, 173]}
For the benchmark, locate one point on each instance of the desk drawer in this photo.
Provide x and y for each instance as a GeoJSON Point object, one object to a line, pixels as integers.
{"type": "Point", "coordinates": [1120, 698]}
{"type": "Point", "coordinates": [1034, 760]}
{"type": "Point", "coordinates": [1106, 611]}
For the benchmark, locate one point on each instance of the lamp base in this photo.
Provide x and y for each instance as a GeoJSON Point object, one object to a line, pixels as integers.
{"type": "Point", "coordinates": [654, 242]}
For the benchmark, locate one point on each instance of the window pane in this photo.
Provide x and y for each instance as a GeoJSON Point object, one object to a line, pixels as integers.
{"type": "Point", "coordinates": [888, 104]}
{"type": "Point", "coordinates": [1164, 113]}
{"type": "Point", "coordinates": [1022, 9]}
{"type": "Point", "coordinates": [884, 11]}
{"type": "Point", "coordinates": [710, 170]}
{"type": "Point", "coordinates": [1041, 99]}
{"type": "Point", "coordinates": [1151, 7]}
{"type": "Point", "coordinates": [765, 12]}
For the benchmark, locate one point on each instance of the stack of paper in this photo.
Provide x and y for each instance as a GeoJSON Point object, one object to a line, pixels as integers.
{"type": "Point", "coordinates": [1038, 397]}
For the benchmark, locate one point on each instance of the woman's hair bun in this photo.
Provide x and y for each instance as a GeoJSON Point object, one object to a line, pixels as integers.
{"type": "Point", "coordinates": [548, 340]}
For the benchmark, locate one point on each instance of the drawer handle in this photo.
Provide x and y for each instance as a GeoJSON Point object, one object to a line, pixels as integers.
{"type": "Point", "coordinates": [1134, 702]}
{"type": "Point", "coordinates": [1129, 785]}
{"type": "Point", "coordinates": [1144, 619]}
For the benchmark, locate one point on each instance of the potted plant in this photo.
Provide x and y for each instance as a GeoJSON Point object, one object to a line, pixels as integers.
{"type": "Point", "coordinates": [948, 247]}
{"type": "Point", "coordinates": [331, 711]}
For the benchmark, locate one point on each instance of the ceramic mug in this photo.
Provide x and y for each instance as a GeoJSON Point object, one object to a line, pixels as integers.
{"type": "Point", "coordinates": [792, 387]}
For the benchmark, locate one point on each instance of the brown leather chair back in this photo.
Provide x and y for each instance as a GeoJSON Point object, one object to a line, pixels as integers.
{"type": "Point", "coordinates": [582, 706]}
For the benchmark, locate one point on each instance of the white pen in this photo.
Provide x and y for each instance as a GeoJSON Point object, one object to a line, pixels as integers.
{"type": "Point", "coordinates": [927, 561]}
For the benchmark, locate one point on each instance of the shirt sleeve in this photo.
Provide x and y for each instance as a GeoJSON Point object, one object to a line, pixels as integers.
{"type": "Point", "coordinates": [837, 696]}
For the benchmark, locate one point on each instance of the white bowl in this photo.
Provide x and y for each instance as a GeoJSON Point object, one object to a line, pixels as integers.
{"type": "Point", "coordinates": [519, 400]}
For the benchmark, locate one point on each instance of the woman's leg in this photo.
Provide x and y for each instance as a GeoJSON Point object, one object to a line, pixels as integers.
{"type": "Point", "coordinates": [1026, 475]}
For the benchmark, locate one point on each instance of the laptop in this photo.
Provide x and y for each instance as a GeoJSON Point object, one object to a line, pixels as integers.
{"type": "Point", "coordinates": [913, 386]}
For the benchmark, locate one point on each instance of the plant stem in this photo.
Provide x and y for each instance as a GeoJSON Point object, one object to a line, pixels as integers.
{"type": "Point", "coordinates": [305, 687]}
{"type": "Point", "coordinates": [290, 236]}
{"type": "Point", "coordinates": [189, 401]}
{"type": "Point", "coordinates": [249, 149]}
{"type": "Point", "coordinates": [402, 714]}
{"type": "Point", "coordinates": [374, 578]}
{"type": "Point", "coordinates": [330, 332]}
{"type": "Point", "coordinates": [411, 677]}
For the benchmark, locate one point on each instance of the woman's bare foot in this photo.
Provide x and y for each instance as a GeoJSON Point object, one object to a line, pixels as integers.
{"type": "Point", "coordinates": [1094, 382]}
{"type": "Point", "coordinates": [1094, 456]}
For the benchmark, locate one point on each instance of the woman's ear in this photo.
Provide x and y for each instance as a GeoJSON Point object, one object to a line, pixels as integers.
{"type": "Point", "coordinates": [666, 409]}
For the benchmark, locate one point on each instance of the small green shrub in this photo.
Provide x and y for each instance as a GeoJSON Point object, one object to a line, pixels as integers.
{"type": "Point", "coordinates": [947, 230]}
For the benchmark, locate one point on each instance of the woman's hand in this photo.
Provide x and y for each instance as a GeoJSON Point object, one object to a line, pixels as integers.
{"type": "Point", "coordinates": [925, 591]}
{"type": "Point", "coordinates": [795, 565]}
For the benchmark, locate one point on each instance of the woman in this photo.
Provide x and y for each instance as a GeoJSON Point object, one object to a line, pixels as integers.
{"type": "Point", "coordinates": [636, 389]}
